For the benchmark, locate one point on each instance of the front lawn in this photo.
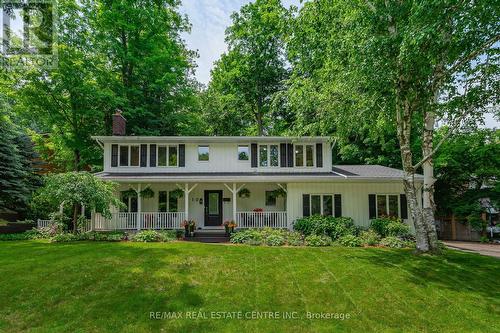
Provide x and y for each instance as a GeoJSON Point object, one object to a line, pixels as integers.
{"type": "Point", "coordinates": [95, 287]}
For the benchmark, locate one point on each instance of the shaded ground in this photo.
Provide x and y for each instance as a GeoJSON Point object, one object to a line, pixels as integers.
{"type": "Point", "coordinates": [114, 287]}
{"type": "Point", "coordinates": [492, 250]}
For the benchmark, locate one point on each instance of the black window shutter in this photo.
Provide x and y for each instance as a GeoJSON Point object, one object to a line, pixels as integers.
{"type": "Point", "coordinates": [319, 155]}
{"type": "Point", "coordinates": [144, 156]}
{"type": "Point", "coordinates": [114, 155]}
{"type": "Point", "coordinates": [253, 148]}
{"type": "Point", "coordinates": [372, 206]}
{"type": "Point", "coordinates": [182, 155]}
{"type": "Point", "coordinates": [152, 155]}
{"type": "Point", "coordinates": [404, 206]}
{"type": "Point", "coordinates": [337, 201]}
{"type": "Point", "coordinates": [289, 148]}
{"type": "Point", "coordinates": [306, 205]}
{"type": "Point", "coordinates": [283, 155]}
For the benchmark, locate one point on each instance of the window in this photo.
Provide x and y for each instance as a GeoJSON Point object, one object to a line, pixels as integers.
{"type": "Point", "coordinates": [167, 156]}
{"type": "Point", "coordinates": [123, 155]}
{"type": "Point", "coordinates": [134, 155]}
{"type": "Point", "coordinates": [308, 159]}
{"type": "Point", "coordinates": [270, 198]}
{"type": "Point", "coordinates": [309, 156]}
{"type": "Point", "coordinates": [203, 153]}
{"type": "Point", "coordinates": [172, 156]}
{"type": "Point", "coordinates": [268, 155]}
{"type": "Point", "coordinates": [162, 156]}
{"type": "Point", "coordinates": [167, 202]}
{"type": "Point", "coordinates": [243, 153]}
{"type": "Point", "coordinates": [322, 204]}
{"type": "Point", "coordinates": [274, 155]}
{"type": "Point", "coordinates": [263, 155]}
{"type": "Point", "coordinates": [387, 205]}
{"type": "Point", "coordinates": [130, 203]}
{"type": "Point", "coordinates": [299, 155]}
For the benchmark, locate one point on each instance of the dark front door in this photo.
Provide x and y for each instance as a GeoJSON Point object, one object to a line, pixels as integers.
{"type": "Point", "coordinates": [213, 208]}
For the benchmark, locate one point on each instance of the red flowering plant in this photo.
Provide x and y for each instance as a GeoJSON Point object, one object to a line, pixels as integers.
{"type": "Point", "coordinates": [229, 226]}
{"type": "Point", "coordinates": [258, 210]}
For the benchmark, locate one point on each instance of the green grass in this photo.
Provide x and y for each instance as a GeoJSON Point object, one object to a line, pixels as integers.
{"type": "Point", "coordinates": [96, 287]}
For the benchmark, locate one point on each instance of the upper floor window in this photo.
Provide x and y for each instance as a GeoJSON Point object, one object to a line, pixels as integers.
{"type": "Point", "coordinates": [243, 153]}
{"type": "Point", "coordinates": [387, 205]}
{"type": "Point", "coordinates": [167, 156]}
{"type": "Point", "coordinates": [203, 153]}
{"type": "Point", "coordinates": [129, 155]}
{"type": "Point", "coordinates": [304, 155]}
{"type": "Point", "coordinates": [268, 155]}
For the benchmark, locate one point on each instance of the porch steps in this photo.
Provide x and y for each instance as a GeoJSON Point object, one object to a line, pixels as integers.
{"type": "Point", "coordinates": [209, 236]}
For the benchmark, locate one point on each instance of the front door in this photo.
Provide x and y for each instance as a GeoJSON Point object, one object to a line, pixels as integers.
{"type": "Point", "coordinates": [213, 208]}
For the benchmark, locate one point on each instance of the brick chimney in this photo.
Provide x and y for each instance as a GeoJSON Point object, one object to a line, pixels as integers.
{"type": "Point", "coordinates": [119, 123]}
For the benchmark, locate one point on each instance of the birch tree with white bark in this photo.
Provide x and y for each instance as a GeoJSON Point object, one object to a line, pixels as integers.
{"type": "Point", "coordinates": [408, 64]}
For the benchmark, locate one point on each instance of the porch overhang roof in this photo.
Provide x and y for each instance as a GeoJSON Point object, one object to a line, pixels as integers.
{"type": "Point", "coordinates": [258, 177]}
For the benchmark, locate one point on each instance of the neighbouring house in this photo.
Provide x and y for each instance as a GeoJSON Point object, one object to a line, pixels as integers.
{"type": "Point", "coordinates": [264, 181]}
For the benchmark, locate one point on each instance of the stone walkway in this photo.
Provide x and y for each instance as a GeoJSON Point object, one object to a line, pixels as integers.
{"type": "Point", "coordinates": [492, 250]}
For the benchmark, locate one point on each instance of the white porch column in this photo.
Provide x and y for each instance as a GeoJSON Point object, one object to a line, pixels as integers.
{"type": "Point", "coordinates": [186, 200]}
{"type": "Point", "coordinates": [139, 199]}
{"type": "Point", "coordinates": [234, 202]}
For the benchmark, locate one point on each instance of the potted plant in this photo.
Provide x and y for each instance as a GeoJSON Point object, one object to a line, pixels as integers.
{"type": "Point", "coordinates": [192, 227]}
{"type": "Point", "coordinates": [185, 225]}
{"type": "Point", "coordinates": [244, 193]}
{"type": "Point", "coordinates": [229, 226]}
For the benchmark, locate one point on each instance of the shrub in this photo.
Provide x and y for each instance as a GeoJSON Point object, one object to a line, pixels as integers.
{"type": "Point", "coordinates": [334, 227]}
{"type": "Point", "coordinates": [389, 226]}
{"type": "Point", "coordinates": [110, 236]}
{"type": "Point", "coordinates": [294, 238]}
{"type": "Point", "coordinates": [244, 236]}
{"type": "Point", "coordinates": [146, 236]}
{"type": "Point", "coordinates": [67, 237]}
{"type": "Point", "coordinates": [318, 240]}
{"type": "Point", "coordinates": [349, 241]}
{"type": "Point", "coordinates": [167, 235]}
{"type": "Point", "coordinates": [393, 242]}
{"type": "Point", "coordinates": [11, 237]}
{"type": "Point", "coordinates": [484, 239]}
{"type": "Point", "coordinates": [275, 240]}
{"type": "Point", "coordinates": [369, 237]}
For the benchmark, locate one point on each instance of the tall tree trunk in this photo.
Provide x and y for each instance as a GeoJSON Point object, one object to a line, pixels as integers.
{"type": "Point", "coordinates": [77, 159]}
{"type": "Point", "coordinates": [428, 187]}
{"type": "Point", "coordinates": [403, 115]}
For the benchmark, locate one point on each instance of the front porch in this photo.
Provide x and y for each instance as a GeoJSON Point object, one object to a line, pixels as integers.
{"type": "Point", "coordinates": [167, 205]}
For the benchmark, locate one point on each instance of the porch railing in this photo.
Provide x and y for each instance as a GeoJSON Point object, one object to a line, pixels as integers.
{"type": "Point", "coordinates": [87, 226]}
{"type": "Point", "coordinates": [43, 223]}
{"type": "Point", "coordinates": [148, 220]}
{"type": "Point", "coordinates": [261, 219]}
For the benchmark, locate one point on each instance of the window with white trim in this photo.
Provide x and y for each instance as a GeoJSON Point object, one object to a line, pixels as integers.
{"type": "Point", "coordinates": [167, 202]}
{"type": "Point", "coordinates": [243, 153]}
{"type": "Point", "coordinates": [304, 155]}
{"type": "Point", "coordinates": [128, 155]}
{"type": "Point", "coordinates": [130, 202]}
{"type": "Point", "coordinates": [167, 156]}
{"type": "Point", "coordinates": [321, 204]}
{"type": "Point", "coordinates": [269, 155]}
{"type": "Point", "coordinates": [203, 153]}
{"type": "Point", "coordinates": [388, 205]}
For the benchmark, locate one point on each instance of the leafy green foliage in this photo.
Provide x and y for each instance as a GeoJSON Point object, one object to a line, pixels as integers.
{"type": "Point", "coordinates": [349, 241]}
{"type": "Point", "coordinates": [369, 237]}
{"type": "Point", "coordinates": [247, 77]}
{"type": "Point", "coordinates": [467, 169]}
{"type": "Point", "coordinates": [318, 240]}
{"type": "Point", "coordinates": [154, 236]}
{"type": "Point", "coordinates": [393, 242]}
{"type": "Point", "coordinates": [333, 227]}
{"type": "Point", "coordinates": [389, 226]}
{"type": "Point", "coordinates": [267, 236]}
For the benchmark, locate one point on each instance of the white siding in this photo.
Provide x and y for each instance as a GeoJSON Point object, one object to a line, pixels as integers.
{"type": "Point", "coordinates": [223, 158]}
{"type": "Point", "coordinates": [354, 197]}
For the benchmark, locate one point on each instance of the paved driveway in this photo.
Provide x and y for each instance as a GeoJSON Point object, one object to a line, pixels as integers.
{"type": "Point", "coordinates": [492, 250]}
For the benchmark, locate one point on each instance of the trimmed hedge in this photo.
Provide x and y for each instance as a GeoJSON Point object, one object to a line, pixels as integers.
{"type": "Point", "coordinates": [334, 227]}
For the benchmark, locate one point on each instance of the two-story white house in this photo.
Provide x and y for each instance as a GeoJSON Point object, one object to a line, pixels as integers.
{"type": "Point", "coordinates": [263, 181]}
